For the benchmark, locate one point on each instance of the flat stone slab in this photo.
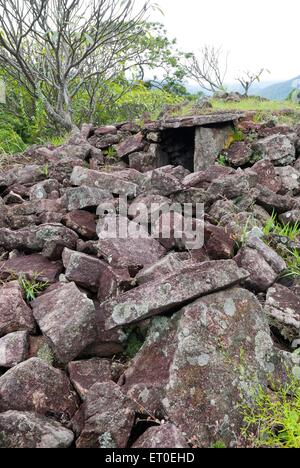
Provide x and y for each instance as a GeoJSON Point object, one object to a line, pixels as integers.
{"type": "Point", "coordinates": [194, 120]}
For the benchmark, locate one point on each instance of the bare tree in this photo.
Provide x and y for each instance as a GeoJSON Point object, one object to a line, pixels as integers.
{"type": "Point", "coordinates": [209, 68]}
{"type": "Point", "coordinates": [248, 79]}
{"type": "Point", "coordinates": [56, 47]}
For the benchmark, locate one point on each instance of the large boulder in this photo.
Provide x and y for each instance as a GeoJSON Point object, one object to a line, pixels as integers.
{"type": "Point", "coordinates": [84, 270]}
{"type": "Point", "coordinates": [239, 154]}
{"type": "Point", "coordinates": [279, 149]}
{"type": "Point", "coordinates": [48, 238]}
{"type": "Point", "coordinates": [67, 318]}
{"type": "Point", "coordinates": [33, 266]}
{"type": "Point", "coordinates": [198, 366]}
{"type": "Point", "coordinates": [15, 315]}
{"type": "Point", "coordinates": [104, 181]}
{"type": "Point", "coordinates": [36, 386]}
{"type": "Point", "coordinates": [85, 197]}
{"type": "Point", "coordinates": [28, 430]}
{"type": "Point", "coordinates": [167, 295]}
{"type": "Point", "coordinates": [131, 145]}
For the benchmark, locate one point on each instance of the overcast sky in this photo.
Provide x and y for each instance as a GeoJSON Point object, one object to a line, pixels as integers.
{"type": "Point", "coordinates": [258, 33]}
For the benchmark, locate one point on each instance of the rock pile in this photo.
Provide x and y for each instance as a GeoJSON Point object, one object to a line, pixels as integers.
{"type": "Point", "coordinates": [211, 323]}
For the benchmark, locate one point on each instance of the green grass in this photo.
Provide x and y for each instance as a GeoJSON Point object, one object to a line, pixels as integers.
{"type": "Point", "coordinates": [265, 110]}
{"type": "Point", "coordinates": [292, 260]}
{"type": "Point", "coordinates": [272, 226]}
{"type": "Point", "coordinates": [273, 419]}
{"type": "Point", "coordinates": [32, 288]}
{"type": "Point", "coordinates": [252, 104]}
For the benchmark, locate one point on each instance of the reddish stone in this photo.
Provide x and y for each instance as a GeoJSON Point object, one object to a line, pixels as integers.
{"type": "Point", "coordinates": [84, 374]}
{"type": "Point", "coordinates": [163, 436]}
{"type": "Point", "coordinates": [162, 296]}
{"type": "Point", "coordinates": [67, 318]}
{"type": "Point", "coordinates": [33, 266]}
{"type": "Point", "coordinates": [15, 315]}
{"type": "Point", "coordinates": [81, 222]}
{"type": "Point", "coordinates": [35, 386]}
{"type": "Point", "coordinates": [266, 175]}
{"type": "Point", "coordinates": [105, 419]}
{"type": "Point", "coordinates": [131, 145]}
{"type": "Point", "coordinates": [13, 349]}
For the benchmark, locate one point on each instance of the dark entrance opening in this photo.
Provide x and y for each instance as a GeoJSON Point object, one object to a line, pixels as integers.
{"type": "Point", "coordinates": [179, 146]}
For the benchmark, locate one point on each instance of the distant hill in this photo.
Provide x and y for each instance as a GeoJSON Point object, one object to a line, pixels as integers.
{"type": "Point", "coordinates": [273, 90]}
{"type": "Point", "coordinates": [278, 91]}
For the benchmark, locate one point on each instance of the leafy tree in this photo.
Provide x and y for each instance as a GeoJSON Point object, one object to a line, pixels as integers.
{"type": "Point", "coordinates": [54, 48]}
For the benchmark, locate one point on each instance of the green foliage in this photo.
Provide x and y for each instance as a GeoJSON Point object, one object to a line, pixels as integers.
{"type": "Point", "coordinates": [292, 260]}
{"type": "Point", "coordinates": [290, 230]}
{"type": "Point", "coordinates": [274, 416]}
{"type": "Point", "coordinates": [222, 160]}
{"type": "Point", "coordinates": [32, 287]}
{"type": "Point", "coordinates": [110, 153]}
{"type": "Point", "coordinates": [219, 445]}
{"type": "Point", "coordinates": [134, 344]}
{"type": "Point", "coordinates": [10, 142]}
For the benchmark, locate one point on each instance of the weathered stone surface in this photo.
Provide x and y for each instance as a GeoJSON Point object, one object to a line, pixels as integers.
{"type": "Point", "coordinates": [36, 386]}
{"type": "Point", "coordinates": [204, 178]}
{"type": "Point", "coordinates": [113, 281]}
{"type": "Point", "coordinates": [36, 238]}
{"type": "Point", "coordinates": [13, 349]}
{"type": "Point", "coordinates": [149, 372]}
{"type": "Point", "coordinates": [290, 180]}
{"type": "Point", "coordinates": [130, 145]}
{"type": "Point", "coordinates": [223, 350]}
{"type": "Point", "coordinates": [15, 315]}
{"type": "Point", "coordinates": [21, 175]}
{"type": "Point", "coordinates": [219, 242]}
{"type": "Point", "coordinates": [266, 175]}
{"type": "Point", "coordinates": [168, 265]}
{"type": "Point", "coordinates": [82, 222]}
{"type": "Point", "coordinates": [239, 154]}
{"type": "Point", "coordinates": [279, 149]}
{"type": "Point", "coordinates": [262, 262]}
{"type": "Point", "coordinates": [104, 141]}
{"type": "Point", "coordinates": [28, 430]}
{"type": "Point", "coordinates": [84, 197]}
{"type": "Point", "coordinates": [202, 362]}
{"type": "Point", "coordinates": [270, 200]}
{"type": "Point", "coordinates": [158, 297]}
{"type": "Point", "coordinates": [67, 318]}
{"type": "Point", "coordinates": [209, 142]}
{"type": "Point", "coordinates": [84, 374]}
{"type": "Point", "coordinates": [131, 253]}
{"type": "Point", "coordinates": [105, 130]}
{"type": "Point", "coordinates": [106, 418]}
{"type": "Point", "coordinates": [194, 120]}
{"type": "Point", "coordinates": [83, 269]}
{"type": "Point", "coordinates": [44, 189]}
{"type": "Point", "coordinates": [291, 217]}
{"type": "Point", "coordinates": [283, 309]}
{"type": "Point", "coordinates": [33, 266]}
{"type": "Point", "coordinates": [163, 436]}
{"type": "Point", "coordinates": [163, 182]}
{"type": "Point", "coordinates": [105, 181]}
{"type": "Point", "coordinates": [230, 187]}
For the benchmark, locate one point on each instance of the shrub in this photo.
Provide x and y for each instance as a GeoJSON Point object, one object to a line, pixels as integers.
{"type": "Point", "coordinates": [274, 418]}
{"type": "Point", "coordinates": [10, 142]}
